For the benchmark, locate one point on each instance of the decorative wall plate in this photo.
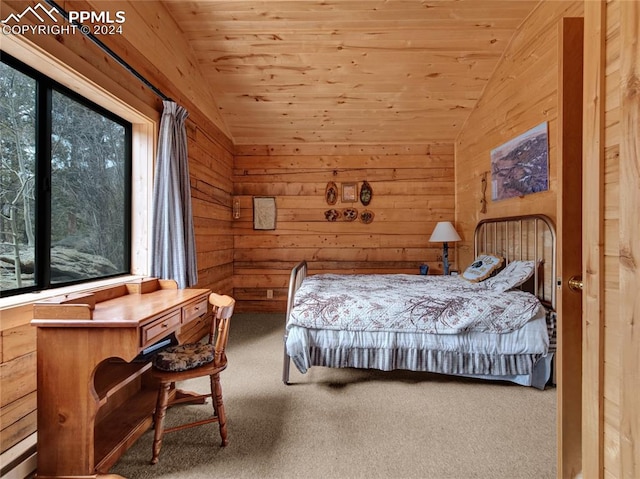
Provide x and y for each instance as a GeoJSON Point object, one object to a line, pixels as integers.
{"type": "Point", "coordinates": [350, 214]}
{"type": "Point", "coordinates": [332, 215]}
{"type": "Point", "coordinates": [366, 216]}
{"type": "Point", "coordinates": [331, 193]}
{"type": "Point", "coordinates": [366, 193]}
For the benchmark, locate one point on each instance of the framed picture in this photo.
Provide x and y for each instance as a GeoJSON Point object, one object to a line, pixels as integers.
{"type": "Point", "coordinates": [264, 213]}
{"type": "Point", "coordinates": [349, 192]}
{"type": "Point", "coordinates": [521, 166]}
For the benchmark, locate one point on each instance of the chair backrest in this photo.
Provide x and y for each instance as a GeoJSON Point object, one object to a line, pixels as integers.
{"type": "Point", "coordinates": [222, 311]}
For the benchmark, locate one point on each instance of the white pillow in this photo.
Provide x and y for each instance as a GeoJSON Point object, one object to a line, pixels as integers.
{"type": "Point", "coordinates": [513, 275]}
{"type": "Point", "coordinates": [482, 267]}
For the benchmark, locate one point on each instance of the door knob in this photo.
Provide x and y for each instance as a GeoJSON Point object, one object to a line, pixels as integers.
{"type": "Point", "coordinates": [575, 284]}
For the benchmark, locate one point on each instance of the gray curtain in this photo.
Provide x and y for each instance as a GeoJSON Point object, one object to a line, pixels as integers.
{"type": "Point", "coordinates": [173, 251]}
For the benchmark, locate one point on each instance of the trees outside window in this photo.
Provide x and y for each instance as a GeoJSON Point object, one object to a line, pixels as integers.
{"type": "Point", "coordinates": [65, 192]}
{"type": "Point", "coordinates": [17, 177]}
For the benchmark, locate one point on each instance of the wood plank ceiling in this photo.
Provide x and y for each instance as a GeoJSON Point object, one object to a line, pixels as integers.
{"type": "Point", "coordinates": [352, 71]}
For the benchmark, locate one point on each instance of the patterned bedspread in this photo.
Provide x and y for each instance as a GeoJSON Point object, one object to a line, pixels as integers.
{"type": "Point", "coordinates": [408, 303]}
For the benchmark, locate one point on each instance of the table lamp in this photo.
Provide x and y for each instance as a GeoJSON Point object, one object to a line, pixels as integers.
{"type": "Point", "coordinates": [444, 232]}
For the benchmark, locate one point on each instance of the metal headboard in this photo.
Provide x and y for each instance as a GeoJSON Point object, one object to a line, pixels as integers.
{"type": "Point", "coordinates": [528, 237]}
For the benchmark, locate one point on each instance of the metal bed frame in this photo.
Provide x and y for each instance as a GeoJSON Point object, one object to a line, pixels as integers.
{"type": "Point", "coordinates": [526, 237]}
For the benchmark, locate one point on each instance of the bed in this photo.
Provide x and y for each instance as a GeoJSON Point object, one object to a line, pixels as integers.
{"type": "Point", "coordinates": [495, 328]}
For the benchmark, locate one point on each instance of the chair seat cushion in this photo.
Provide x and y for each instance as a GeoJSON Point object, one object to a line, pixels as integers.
{"type": "Point", "coordinates": [184, 357]}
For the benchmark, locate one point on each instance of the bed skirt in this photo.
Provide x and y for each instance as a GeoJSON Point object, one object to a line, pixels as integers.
{"type": "Point", "coordinates": [446, 362]}
{"type": "Point", "coordinates": [525, 369]}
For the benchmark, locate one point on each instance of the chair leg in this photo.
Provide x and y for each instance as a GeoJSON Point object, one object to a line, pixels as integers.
{"type": "Point", "coordinates": [218, 406]}
{"type": "Point", "coordinates": [161, 412]}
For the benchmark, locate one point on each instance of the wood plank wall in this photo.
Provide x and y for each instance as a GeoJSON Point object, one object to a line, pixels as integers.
{"type": "Point", "coordinates": [412, 190]}
{"type": "Point", "coordinates": [629, 428]}
{"type": "Point", "coordinates": [619, 422]}
{"type": "Point", "coordinates": [17, 376]}
{"type": "Point", "coordinates": [593, 267]}
{"type": "Point", "coordinates": [210, 161]}
{"type": "Point", "coordinates": [612, 350]}
{"type": "Point", "coordinates": [607, 445]}
{"type": "Point", "coordinates": [522, 93]}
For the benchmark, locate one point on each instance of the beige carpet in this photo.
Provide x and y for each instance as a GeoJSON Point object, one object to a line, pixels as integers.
{"type": "Point", "coordinates": [352, 424]}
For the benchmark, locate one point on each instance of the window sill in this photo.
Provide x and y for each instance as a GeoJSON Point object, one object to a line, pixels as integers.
{"type": "Point", "coordinates": [27, 298]}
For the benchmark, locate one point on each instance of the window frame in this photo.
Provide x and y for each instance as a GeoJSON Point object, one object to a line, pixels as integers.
{"type": "Point", "coordinates": [45, 86]}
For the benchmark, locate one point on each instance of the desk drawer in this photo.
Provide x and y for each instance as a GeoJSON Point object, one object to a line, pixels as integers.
{"type": "Point", "coordinates": [194, 310]}
{"type": "Point", "coordinates": [160, 327]}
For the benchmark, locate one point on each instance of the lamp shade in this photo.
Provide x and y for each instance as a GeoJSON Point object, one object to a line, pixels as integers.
{"type": "Point", "coordinates": [444, 232]}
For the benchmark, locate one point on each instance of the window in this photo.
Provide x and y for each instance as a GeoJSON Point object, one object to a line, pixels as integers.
{"type": "Point", "coordinates": [65, 185]}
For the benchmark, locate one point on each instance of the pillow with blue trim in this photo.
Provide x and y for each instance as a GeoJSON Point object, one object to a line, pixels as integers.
{"type": "Point", "coordinates": [482, 267]}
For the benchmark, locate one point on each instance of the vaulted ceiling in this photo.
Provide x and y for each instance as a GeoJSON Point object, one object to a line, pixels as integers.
{"type": "Point", "coordinates": [347, 71]}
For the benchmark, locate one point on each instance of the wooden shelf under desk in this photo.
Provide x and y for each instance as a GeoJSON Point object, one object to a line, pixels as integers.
{"type": "Point", "coordinates": [113, 375]}
{"type": "Point", "coordinates": [117, 431]}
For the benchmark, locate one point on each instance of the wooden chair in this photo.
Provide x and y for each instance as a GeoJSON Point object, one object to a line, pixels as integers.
{"type": "Point", "coordinates": [190, 361]}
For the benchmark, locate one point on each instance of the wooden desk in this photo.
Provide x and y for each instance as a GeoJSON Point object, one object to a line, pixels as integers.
{"type": "Point", "coordinates": [94, 401]}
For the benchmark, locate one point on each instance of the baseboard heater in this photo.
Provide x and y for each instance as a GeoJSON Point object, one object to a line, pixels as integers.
{"type": "Point", "coordinates": [20, 461]}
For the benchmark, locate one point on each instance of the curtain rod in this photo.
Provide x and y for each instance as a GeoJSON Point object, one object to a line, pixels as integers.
{"type": "Point", "coordinates": [110, 52]}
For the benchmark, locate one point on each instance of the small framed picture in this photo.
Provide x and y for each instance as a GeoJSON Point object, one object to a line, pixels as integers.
{"type": "Point", "coordinates": [264, 213]}
{"type": "Point", "coordinates": [349, 192]}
